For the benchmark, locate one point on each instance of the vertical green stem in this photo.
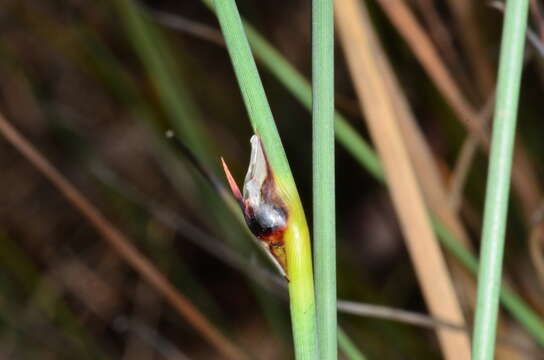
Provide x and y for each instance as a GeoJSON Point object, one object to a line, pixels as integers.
{"type": "Point", "coordinates": [297, 240]}
{"type": "Point", "coordinates": [323, 175]}
{"type": "Point", "coordinates": [498, 183]}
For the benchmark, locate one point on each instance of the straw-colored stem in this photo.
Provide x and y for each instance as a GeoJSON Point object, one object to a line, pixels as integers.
{"type": "Point", "coordinates": [379, 106]}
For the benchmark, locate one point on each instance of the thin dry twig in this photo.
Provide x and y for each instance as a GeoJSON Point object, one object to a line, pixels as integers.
{"type": "Point", "coordinates": [188, 26]}
{"type": "Point", "coordinates": [407, 317]}
{"type": "Point", "coordinates": [122, 245]}
{"type": "Point", "coordinates": [536, 243]}
{"type": "Point", "coordinates": [379, 107]}
{"type": "Point", "coordinates": [466, 156]}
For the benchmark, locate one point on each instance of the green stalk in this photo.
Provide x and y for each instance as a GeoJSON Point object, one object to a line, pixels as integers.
{"type": "Point", "coordinates": [297, 239]}
{"type": "Point", "coordinates": [323, 176]}
{"type": "Point", "coordinates": [498, 181]}
{"type": "Point", "coordinates": [348, 347]}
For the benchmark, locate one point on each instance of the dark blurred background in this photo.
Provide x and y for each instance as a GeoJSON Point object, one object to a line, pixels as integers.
{"type": "Point", "coordinates": [74, 83]}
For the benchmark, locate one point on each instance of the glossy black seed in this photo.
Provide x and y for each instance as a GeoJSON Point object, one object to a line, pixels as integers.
{"type": "Point", "coordinates": [266, 220]}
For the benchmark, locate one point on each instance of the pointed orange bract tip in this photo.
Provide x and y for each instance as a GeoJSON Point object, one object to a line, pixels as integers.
{"type": "Point", "coordinates": [232, 183]}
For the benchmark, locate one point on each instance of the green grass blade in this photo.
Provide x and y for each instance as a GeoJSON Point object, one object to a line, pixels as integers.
{"type": "Point", "coordinates": [498, 182]}
{"type": "Point", "coordinates": [159, 62]}
{"type": "Point", "coordinates": [324, 214]}
{"type": "Point", "coordinates": [297, 241]}
{"type": "Point", "coordinates": [348, 347]}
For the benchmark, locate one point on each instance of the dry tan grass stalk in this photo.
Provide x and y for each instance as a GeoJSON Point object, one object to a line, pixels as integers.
{"type": "Point", "coordinates": [465, 158]}
{"type": "Point", "coordinates": [379, 107]}
{"type": "Point", "coordinates": [430, 181]}
{"type": "Point", "coordinates": [121, 245]}
{"type": "Point", "coordinates": [432, 185]}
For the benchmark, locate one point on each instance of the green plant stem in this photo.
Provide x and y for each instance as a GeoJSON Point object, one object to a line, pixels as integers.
{"type": "Point", "coordinates": [297, 241]}
{"type": "Point", "coordinates": [324, 214]}
{"type": "Point", "coordinates": [498, 181]}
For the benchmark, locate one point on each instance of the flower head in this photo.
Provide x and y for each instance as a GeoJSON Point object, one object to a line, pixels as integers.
{"type": "Point", "coordinates": [264, 211]}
